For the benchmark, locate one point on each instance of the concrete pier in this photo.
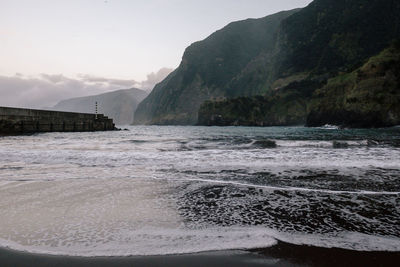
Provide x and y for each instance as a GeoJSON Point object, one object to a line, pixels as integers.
{"type": "Point", "coordinates": [22, 121]}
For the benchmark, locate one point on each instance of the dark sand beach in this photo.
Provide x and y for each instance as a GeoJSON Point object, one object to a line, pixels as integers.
{"type": "Point", "coordinates": [282, 254]}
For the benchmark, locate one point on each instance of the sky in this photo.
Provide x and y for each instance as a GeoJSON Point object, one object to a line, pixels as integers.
{"type": "Point", "coordinates": [106, 44]}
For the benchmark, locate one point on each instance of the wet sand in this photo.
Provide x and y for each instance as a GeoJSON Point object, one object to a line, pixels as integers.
{"type": "Point", "coordinates": [300, 255]}
{"type": "Point", "coordinates": [282, 254]}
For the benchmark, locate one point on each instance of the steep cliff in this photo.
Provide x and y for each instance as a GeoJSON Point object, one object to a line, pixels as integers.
{"type": "Point", "coordinates": [366, 97]}
{"type": "Point", "coordinates": [207, 69]}
{"type": "Point", "coordinates": [324, 40]}
{"type": "Point", "coordinates": [287, 106]}
{"type": "Point", "coordinates": [284, 58]}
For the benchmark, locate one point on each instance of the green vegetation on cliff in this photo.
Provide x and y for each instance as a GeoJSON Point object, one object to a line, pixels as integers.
{"type": "Point", "coordinates": [283, 58]}
{"type": "Point", "coordinates": [366, 97]}
{"type": "Point", "coordinates": [206, 70]}
{"type": "Point", "coordinates": [287, 106]}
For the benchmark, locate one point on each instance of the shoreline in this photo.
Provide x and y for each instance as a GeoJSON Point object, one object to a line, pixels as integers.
{"type": "Point", "coordinates": [281, 254]}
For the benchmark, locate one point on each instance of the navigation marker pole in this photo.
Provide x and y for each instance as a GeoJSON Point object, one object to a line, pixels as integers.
{"type": "Point", "coordinates": [96, 111]}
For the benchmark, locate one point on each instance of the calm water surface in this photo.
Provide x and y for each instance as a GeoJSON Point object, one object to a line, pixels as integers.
{"type": "Point", "coordinates": [162, 190]}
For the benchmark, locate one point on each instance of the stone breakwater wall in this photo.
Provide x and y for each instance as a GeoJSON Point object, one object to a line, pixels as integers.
{"type": "Point", "coordinates": [22, 121]}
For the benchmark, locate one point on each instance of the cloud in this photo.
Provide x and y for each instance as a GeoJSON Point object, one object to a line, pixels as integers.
{"type": "Point", "coordinates": [154, 78]}
{"type": "Point", "coordinates": [57, 78]}
{"type": "Point", "coordinates": [46, 90]}
{"type": "Point", "coordinates": [111, 82]}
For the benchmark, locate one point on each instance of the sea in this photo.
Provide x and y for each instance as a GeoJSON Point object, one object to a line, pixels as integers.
{"type": "Point", "coordinates": [159, 190]}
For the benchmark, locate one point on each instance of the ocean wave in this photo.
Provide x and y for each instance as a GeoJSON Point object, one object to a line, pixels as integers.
{"type": "Point", "coordinates": [153, 242]}
{"type": "Point", "coordinates": [149, 242]}
{"type": "Point", "coordinates": [173, 190]}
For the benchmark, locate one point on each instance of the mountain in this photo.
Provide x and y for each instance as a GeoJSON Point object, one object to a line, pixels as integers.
{"type": "Point", "coordinates": [366, 97]}
{"type": "Point", "coordinates": [119, 105]}
{"type": "Point", "coordinates": [206, 70]}
{"type": "Point", "coordinates": [319, 47]}
{"type": "Point", "coordinates": [369, 96]}
{"type": "Point", "coordinates": [294, 54]}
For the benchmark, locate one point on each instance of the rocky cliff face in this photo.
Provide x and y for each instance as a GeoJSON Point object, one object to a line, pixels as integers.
{"type": "Point", "coordinates": [283, 57]}
{"type": "Point", "coordinates": [207, 70]}
{"type": "Point", "coordinates": [366, 97]}
{"type": "Point", "coordinates": [287, 106]}
{"type": "Point", "coordinates": [119, 105]}
{"type": "Point", "coordinates": [322, 41]}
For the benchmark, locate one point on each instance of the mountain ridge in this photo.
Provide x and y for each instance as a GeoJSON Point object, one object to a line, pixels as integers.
{"type": "Point", "coordinates": [295, 53]}
{"type": "Point", "coordinates": [206, 69]}
{"type": "Point", "coordinates": [119, 104]}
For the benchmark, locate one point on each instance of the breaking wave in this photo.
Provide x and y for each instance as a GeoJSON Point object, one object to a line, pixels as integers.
{"type": "Point", "coordinates": [171, 190]}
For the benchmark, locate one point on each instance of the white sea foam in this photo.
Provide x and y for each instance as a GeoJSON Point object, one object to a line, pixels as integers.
{"type": "Point", "coordinates": [148, 242]}
{"type": "Point", "coordinates": [124, 193]}
{"type": "Point", "coordinates": [156, 242]}
{"type": "Point", "coordinates": [330, 127]}
{"type": "Point", "coordinates": [299, 189]}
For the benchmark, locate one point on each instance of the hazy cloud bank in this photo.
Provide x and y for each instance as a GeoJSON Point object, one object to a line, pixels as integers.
{"type": "Point", "coordinates": [154, 78]}
{"type": "Point", "coordinates": [47, 90]}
